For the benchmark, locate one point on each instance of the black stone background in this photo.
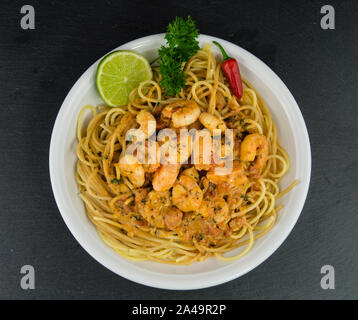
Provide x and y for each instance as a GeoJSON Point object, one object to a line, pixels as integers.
{"type": "Point", "coordinates": [37, 69]}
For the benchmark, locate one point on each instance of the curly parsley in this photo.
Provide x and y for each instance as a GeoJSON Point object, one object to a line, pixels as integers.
{"type": "Point", "coordinates": [181, 45]}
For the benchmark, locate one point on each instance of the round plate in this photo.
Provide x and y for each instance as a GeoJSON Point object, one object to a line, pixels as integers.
{"type": "Point", "coordinates": [293, 136]}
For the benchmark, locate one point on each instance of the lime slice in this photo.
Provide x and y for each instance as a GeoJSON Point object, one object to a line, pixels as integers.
{"type": "Point", "coordinates": [118, 73]}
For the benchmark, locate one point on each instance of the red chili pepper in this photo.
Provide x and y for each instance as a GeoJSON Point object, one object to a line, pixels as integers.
{"type": "Point", "coordinates": [231, 70]}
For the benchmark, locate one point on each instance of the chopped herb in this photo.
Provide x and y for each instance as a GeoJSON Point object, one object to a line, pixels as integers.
{"type": "Point", "coordinates": [244, 197]}
{"type": "Point", "coordinates": [116, 181]}
{"type": "Point", "coordinates": [144, 200]}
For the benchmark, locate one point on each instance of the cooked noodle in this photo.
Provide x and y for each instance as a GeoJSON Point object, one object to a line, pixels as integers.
{"type": "Point", "coordinates": [111, 197]}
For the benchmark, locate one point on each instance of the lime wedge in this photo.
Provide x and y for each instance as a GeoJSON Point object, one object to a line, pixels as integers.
{"type": "Point", "coordinates": [118, 73]}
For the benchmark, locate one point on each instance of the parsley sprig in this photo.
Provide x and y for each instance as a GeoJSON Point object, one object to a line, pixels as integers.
{"type": "Point", "coordinates": [181, 45]}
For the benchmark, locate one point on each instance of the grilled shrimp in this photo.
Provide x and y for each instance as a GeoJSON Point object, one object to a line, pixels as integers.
{"type": "Point", "coordinates": [211, 122]}
{"type": "Point", "coordinates": [173, 218]}
{"type": "Point", "coordinates": [182, 113]}
{"type": "Point", "coordinates": [208, 153]}
{"type": "Point", "coordinates": [191, 172]}
{"type": "Point", "coordinates": [202, 156]}
{"type": "Point", "coordinates": [216, 209]}
{"type": "Point", "coordinates": [176, 149]}
{"type": "Point", "coordinates": [232, 177]}
{"type": "Point", "coordinates": [201, 229]}
{"type": "Point", "coordinates": [130, 167]}
{"type": "Point", "coordinates": [156, 204]}
{"type": "Point", "coordinates": [254, 146]}
{"type": "Point", "coordinates": [186, 194]}
{"type": "Point", "coordinates": [151, 157]}
{"type": "Point", "coordinates": [147, 123]}
{"type": "Point", "coordinates": [184, 146]}
{"type": "Point", "coordinates": [165, 176]}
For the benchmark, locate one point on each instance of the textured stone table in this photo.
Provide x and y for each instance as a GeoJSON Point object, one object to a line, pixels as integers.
{"type": "Point", "coordinates": [37, 69]}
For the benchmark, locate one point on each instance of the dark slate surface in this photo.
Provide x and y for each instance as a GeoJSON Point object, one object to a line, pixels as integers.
{"type": "Point", "coordinates": [37, 69]}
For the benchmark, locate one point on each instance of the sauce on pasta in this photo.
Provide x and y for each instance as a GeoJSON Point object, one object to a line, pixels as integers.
{"type": "Point", "coordinates": [182, 212]}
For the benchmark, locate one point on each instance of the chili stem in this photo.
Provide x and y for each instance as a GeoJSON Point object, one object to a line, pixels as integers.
{"type": "Point", "coordinates": [225, 56]}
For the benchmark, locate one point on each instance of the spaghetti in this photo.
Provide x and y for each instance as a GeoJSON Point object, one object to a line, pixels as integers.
{"type": "Point", "coordinates": [187, 214]}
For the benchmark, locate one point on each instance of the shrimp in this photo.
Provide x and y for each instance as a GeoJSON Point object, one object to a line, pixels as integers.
{"type": "Point", "coordinates": [184, 146]}
{"type": "Point", "coordinates": [165, 176]}
{"type": "Point", "coordinates": [208, 153]}
{"type": "Point", "coordinates": [182, 113]}
{"type": "Point", "coordinates": [147, 123]}
{"type": "Point", "coordinates": [152, 156]}
{"type": "Point", "coordinates": [216, 209]}
{"type": "Point", "coordinates": [177, 148]}
{"type": "Point", "coordinates": [130, 167]}
{"type": "Point", "coordinates": [147, 153]}
{"type": "Point", "coordinates": [156, 204]}
{"type": "Point", "coordinates": [191, 172]}
{"type": "Point", "coordinates": [237, 144]}
{"type": "Point", "coordinates": [231, 177]}
{"type": "Point", "coordinates": [196, 226]}
{"type": "Point", "coordinates": [202, 156]}
{"type": "Point", "coordinates": [211, 122]}
{"type": "Point", "coordinates": [173, 218]}
{"type": "Point", "coordinates": [255, 146]}
{"type": "Point", "coordinates": [186, 194]}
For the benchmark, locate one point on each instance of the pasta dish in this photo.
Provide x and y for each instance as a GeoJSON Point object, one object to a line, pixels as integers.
{"type": "Point", "coordinates": [178, 179]}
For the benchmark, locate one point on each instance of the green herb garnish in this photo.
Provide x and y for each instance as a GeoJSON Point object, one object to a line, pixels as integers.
{"type": "Point", "coordinates": [244, 197]}
{"type": "Point", "coordinates": [181, 45]}
{"type": "Point", "coordinates": [116, 181]}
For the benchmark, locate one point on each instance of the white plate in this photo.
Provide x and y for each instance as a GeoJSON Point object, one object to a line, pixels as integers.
{"type": "Point", "coordinates": [293, 136]}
